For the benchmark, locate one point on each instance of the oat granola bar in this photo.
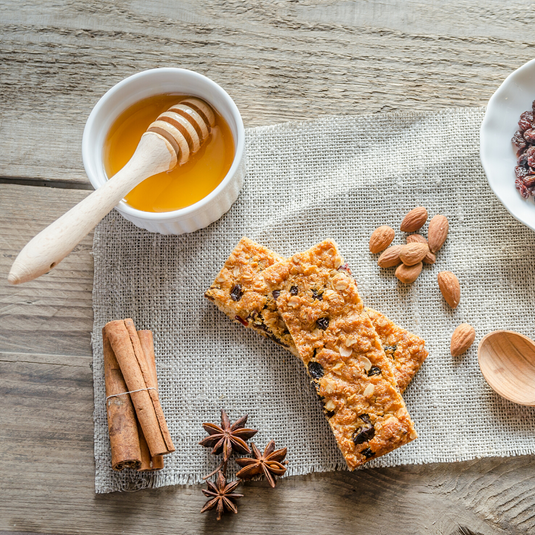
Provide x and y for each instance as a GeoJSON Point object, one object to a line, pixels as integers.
{"type": "Point", "coordinates": [245, 298]}
{"type": "Point", "coordinates": [241, 293]}
{"type": "Point", "coordinates": [406, 350]}
{"type": "Point", "coordinates": [343, 354]}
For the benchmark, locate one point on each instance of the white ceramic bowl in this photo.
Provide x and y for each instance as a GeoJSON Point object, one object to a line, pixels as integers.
{"type": "Point", "coordinates": [156, 82]}
{"type": "Point", "coordinates": [513, 97]}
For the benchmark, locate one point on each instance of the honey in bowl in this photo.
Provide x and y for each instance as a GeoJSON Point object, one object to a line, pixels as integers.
{"type": "Point", "coordinates": [185, 184]}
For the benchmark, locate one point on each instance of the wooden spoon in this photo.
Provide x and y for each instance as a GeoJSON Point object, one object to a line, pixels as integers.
{"type": "Point", "coordinates": [171, 139]}
{"type": "Point", "coordinates": [507, 361]}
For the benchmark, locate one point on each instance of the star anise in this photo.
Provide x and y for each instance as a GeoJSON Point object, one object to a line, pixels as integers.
{"type": "Point", "coordinates": [228, 437]}
{"type": "Point", "coordinates": [221, 496]}
{"type": "Point", "coordinates": [269, 463]}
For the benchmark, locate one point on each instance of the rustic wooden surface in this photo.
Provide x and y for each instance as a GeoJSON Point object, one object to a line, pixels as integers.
{"type": "Point", "coordinates": [280, 60]}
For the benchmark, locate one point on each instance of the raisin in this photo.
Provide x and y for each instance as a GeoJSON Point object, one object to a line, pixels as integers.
{"type": "Point", "coordinates": [519, 184]}
{"type": "Point", "coordinates": [529, 181]}
{"type": "Point", "coordinates": [315, 369]}
{"type": "Point", "coordinates": [529, 135]}
{"type": "Point", "coordinates": [530, 154]}
{"type": "Point", "coordinates": [329, 414]}
{"type": "Point", "coordinates": [236, 293]}
{"type": "Point", "coordinates": [275, 294]}
{"type": "Point", "coordinates": [533, 106]}
{"type": "Point", "coordinates": [521, 171]}
{"type": "Point", "coordinates": [519, 142]}
{"type": "Point", "coordinates": [374, 370]}
{"type": "Point", "coordinates": [522, 159]}
{"type": "Point", "coordinates": [365, 418]}
{"type": "Point", "coordinates": [317, 295]}
{"type": "Point", "coordinates": [322, 323]}
{"type": "Point", "coordinates": [363, 434]}
{"type": "Point", "coordinates": [367, 453]}
{"type": "Point", "coordinates": [526, 121]}
{"type": "Point", "coordinates": [241, 320]}
{"type": "Point", "coordinates": [294, 290]}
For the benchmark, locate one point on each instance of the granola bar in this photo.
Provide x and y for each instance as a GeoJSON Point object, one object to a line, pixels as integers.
{"type": "Point", "coordinates": [406, 350]}
{"type": "Point", "coordinates": [244, 297]}
{"type": "Point", "coordinates": [241, 293]}
{"type": "Point", "coordinates": [343, 354]}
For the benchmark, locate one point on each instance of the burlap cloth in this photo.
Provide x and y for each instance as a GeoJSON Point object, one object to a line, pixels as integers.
{"type": "Point", "coordinates": [336, 177]}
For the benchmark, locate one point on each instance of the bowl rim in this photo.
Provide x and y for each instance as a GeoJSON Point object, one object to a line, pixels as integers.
{"type": "Point", "coordinates": [199, 205]}
{"type": "Point", "coordinates": [485, 130]}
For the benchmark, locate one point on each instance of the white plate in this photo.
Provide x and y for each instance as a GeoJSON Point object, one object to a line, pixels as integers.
{"type": "Point", "coordinates": [497, 153]}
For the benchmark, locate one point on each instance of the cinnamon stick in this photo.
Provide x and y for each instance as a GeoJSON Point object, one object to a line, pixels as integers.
{"type": "Point", "coordinates": [149, 462]}
{"type": "Point", "coordinates": [122, 423]}
{"type": "Point", "coordinates": [125, 343]}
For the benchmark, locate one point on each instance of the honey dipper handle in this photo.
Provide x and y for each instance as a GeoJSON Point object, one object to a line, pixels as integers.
{"type": "Point", "coordinates": [153, 155]}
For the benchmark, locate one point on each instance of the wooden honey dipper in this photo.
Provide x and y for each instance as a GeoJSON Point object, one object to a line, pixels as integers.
{"type": "Point", "coordinates": [170, 140]}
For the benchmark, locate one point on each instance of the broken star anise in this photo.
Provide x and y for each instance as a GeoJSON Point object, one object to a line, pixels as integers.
{"type": "Point", "coordinates": [221, 496]}
{"type": "Point", "coordinates": [269, 463]}
{"type": "Point", "coordinates": [228, 437]}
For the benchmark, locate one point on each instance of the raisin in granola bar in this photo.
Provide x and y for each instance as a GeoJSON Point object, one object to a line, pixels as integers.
{"type": "Point", "coordinates": [244, 297]}
{"type": "Point", "coordinates": [338, 344]}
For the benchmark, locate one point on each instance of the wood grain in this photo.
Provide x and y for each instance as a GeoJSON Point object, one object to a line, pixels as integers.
{"type": "Point", "coordinates": [46, 462]}
{"type": "Point", "coordinates": [280, 61]}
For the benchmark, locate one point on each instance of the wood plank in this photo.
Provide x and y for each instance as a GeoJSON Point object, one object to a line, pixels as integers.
{"type": "Point", "coordinates": [54, 313]}
{"type": "Point", "coordinates": [46, 458]}
{"type": "Point", "coordinates": [279, 61]}
{"type": "Point", "coordinates": [46, 472]}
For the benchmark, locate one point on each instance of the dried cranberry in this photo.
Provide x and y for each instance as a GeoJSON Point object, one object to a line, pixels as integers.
{"type": "Point", "coordinates": [236, 293]}
{"type": "Point", "coordinates": [363, 434]}
{"type": "Point", "coordinates": [241, 320]}
{"type": "Point", "coordinates": [367, 453]}
{"type": "Point", "coordinates": [374, 370]}
{"type": "Point", "coordinates": [322, 323]}
{"type": "Point", "coordinates": [519, 142]}
{"type": "Point", "coordinates": [294, 290]}
{"type": "Point", "coordinates": [526, 121]}
{"type": "Point", "coordinates": [345, 268]}
{"type": "Point", "coordinates": [529, 135]}
{"type": "Point", "coordinates": [315, 369]}
{"type": "Point", "coordinates": [275, 294]}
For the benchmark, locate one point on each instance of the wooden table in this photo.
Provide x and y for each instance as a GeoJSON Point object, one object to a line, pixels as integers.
{"type": "Point", "coordinates": [279, 60]}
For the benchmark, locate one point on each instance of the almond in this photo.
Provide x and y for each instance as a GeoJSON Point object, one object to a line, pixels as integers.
{"type": "Point", "coordinates": [429, 258]}
{"type": "Point", "coordinates": [437, 233]}
{"type": "Point", "coordinates": [450, 288]}
{"type": "Point", "coordinates": [461, 339]}
{"type": "Point", "coordinates": [414, 220]}
{"type": "Point", "coordinates": [381, 238]}
{"type": "Point", "coordinates": [390, 257]}
{"type": "Point", "coordinates": [408, 274]}
{"type": "Point", "coordinates": [413, 253]}
{"type": "Point", "coordinates": [416, 238]}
